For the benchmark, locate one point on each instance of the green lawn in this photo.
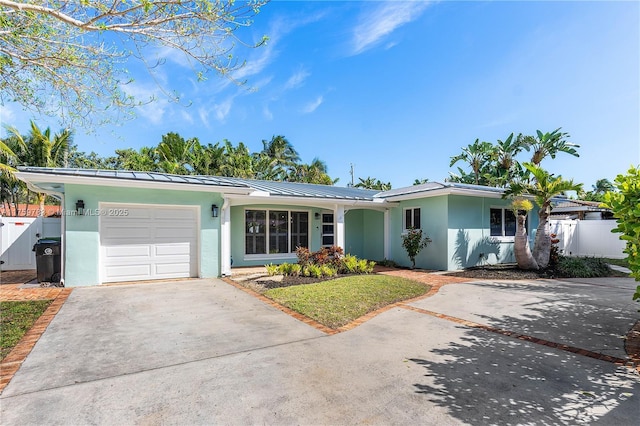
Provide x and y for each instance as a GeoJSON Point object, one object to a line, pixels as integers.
{"type": "Point", "coordinates": [16, 318]}
{"type": "Point", "coordinates": [337, 302]}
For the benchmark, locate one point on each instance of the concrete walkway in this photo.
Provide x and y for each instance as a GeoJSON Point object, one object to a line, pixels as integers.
{"type": "Point", "coordinates": [203, 352]}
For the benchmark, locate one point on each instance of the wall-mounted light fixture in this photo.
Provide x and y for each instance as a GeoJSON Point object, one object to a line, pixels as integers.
{"type": "Point", "coordinates": [317, 215]}
{"type": "Point", "coordinates": [214, 210]}
{"type": "Point", "coordinates": [80, 207]}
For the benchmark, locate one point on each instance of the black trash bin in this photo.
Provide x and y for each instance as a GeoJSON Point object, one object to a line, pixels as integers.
{"type": "Point", "coordinates": [48, 260]}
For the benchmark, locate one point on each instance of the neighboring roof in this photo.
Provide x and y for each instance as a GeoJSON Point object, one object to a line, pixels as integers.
{"type": "Point", "coordinates": [29, 210]}
{"type": "Point", "coordinates": [307, 190]}
{"type": "Point", "coordinates": [566, 206]}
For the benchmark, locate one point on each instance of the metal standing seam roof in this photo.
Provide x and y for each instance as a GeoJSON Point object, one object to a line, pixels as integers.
{"type": "Point", "coordinates": [136, 175]}
{"type": "Point", "coordinates": [308, 190]}
{"type": "Point", "coordinates": [285, 189]}
{"type": "Point", "coordinates": [433, 186]}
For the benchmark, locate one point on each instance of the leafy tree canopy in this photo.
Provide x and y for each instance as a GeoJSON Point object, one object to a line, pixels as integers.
{"type": "Point", "coordinates": [65, 58]}
{"type": "Point", "coordinates": [497, 164]}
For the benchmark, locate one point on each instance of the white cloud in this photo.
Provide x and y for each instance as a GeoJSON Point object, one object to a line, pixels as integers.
{"type": "Point", "coordinates": [188, 118]}
{"type": "Point", "coordinates": [223, 109]}
{"type": "Point", "coordinates": [382, 21]}
{"type": "Point", "coordinates": [267, 113]}
{"type": "Point", "coordinates": [312, 106]}
{"type": "Point", "coordinates": [297, 79]}
{"type": "Point", "coordinates": [154, 102]}
{"type": "Point", "coordinates": [203, 113]}
{"type": "Point", "coordinates": [7, 116]}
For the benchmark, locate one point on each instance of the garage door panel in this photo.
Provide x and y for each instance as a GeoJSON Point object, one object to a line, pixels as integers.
{"type": "Point", "coordinates": [175, 270]}
{"type": "Point", "coordinates": [127, 272]}
{"type": "Point", "coordinates": [175, 214]}
{"type": "Point", "coordinates": [126, 252]}
{"type": "Point", "coordinates": [131, 233]}
{"type": "Point", "coordinates": [151, 242]}
{"type": "Point", "coordinates": [173, 249]}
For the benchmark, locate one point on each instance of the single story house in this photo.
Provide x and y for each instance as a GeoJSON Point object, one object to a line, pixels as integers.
{"type": "Point", "coordinates": [128, 226]}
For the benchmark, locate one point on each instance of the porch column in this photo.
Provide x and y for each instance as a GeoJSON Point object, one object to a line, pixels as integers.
{"type": "Point", "coordinates": [339, 231]}
{"type": "Point", "coordinates": [387, 244]}
{"type": "Point", "coordinates": [225, 239]}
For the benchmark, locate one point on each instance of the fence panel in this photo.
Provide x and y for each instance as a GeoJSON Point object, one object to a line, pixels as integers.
{"type": "Point", "coordinates": [588, 238]}
{"type": "Point", "coordinates": [18, 235]}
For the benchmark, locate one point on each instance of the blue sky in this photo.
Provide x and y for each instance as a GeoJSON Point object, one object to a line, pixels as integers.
{"type": "Point", "coordinates": [398, 88]}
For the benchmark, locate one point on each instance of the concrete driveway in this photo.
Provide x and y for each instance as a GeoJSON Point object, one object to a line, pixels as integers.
{"type": "Point", "coordinates": [204, 352]}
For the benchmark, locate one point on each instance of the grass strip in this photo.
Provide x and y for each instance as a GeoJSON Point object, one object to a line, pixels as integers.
{"type": "Point", "coordinates": [337, 302]}
{"type": "Point", "coordinates": [16, 318]}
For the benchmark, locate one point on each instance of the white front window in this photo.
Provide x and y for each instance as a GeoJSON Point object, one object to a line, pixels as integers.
{"type": "Point", "coordinates": [275, 231]}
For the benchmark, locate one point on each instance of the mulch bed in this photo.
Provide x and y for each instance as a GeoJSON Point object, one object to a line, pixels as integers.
{"type": "Point", "coordinates": [501, 272]}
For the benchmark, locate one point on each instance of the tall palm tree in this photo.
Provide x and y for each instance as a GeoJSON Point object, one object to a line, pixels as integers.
{"type": "Point", "coordinates": [207, 160]}
{"type": "Point", "coordinates": [543, 188]}
{"type": "Point", "coordinates": [281, 150]}
{"type": "Point", "coordinates": [143, 160]}
{"type": "Point", "coordinates": [477, 156]}
{"type": "Point", "coordinates": [42, 149]}
{"type": "Point", "coordinates": [372, 183]}
{"type": "Point", "coordinates": [238, 162]}
{"type": "Point", "coordinates": [548, 145]}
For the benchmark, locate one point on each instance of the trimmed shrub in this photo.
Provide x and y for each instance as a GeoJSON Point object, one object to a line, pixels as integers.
{"type": "Point", "coordinates": [582, 267]}
{"type": "Point", "coordinates": [272, 269]}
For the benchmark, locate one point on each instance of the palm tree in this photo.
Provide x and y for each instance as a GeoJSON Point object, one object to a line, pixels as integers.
{"type": "Point", "coordinates": [207, 160]}
{"type": "Point", "coordinates": [314, 172]}
{"type": "Point", "coordinates": [143, 160]}
{"type": "Point", "coordinates": [372, 183]}
{"type": "Point", "coordinates": [176, 154]}
{"type": "Point", "coordinates": [548, 145]}
{"type": "Point", "coordinates": [42, 149]}
{"type": "Point", "coordinates": [281, 150]}
{"type": "Point", "coordinates": [543, 188]}
{"type": "Point", "coordinates": [477, 156]}
{"type": "Point", "coordinates": [237, 161]}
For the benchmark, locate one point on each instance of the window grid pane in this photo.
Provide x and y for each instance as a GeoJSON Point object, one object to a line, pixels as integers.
{"type": "Point", "coordinates": [255, 231]}
{"type": "Point", "coordinates": [416, 218]}
{"type": "Point", "coordinates": [278, 231]}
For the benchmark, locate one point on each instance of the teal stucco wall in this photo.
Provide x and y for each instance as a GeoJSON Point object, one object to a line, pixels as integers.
{"type": "Point", "coordinates": [469, 237]}
{"type": "Point", "coordinates": [364, 234]}
{"type": "Point", "coordinates": [82, 239]}
{"type": "Point", "coordinates": [434, 223]}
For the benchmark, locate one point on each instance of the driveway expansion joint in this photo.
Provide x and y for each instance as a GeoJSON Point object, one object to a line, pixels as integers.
{"type": "Point", "coordinates": [631, 362]}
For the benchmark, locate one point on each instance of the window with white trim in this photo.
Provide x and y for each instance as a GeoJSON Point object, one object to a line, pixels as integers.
{"type": "Point", "coordinates": [275, 231]}
{"type": "Point", "coordinates": [502, 222]}
{"type": "Point", "coordinates": [412, 218]}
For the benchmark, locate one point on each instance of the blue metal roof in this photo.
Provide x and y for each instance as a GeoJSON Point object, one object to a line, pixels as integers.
{"type": "Point", "coordinates": [134, 175]}
{"type": "Point", "coordinates": [308, 190]}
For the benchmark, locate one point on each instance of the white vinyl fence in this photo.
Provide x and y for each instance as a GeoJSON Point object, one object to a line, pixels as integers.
{"type": "Point", "coordinates": [588, 238]}
{"type": "Point", "coordinates": [19, 234]}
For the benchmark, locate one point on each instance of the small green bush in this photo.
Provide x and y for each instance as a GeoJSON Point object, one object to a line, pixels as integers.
{"type": "Point", "coordinates": [272, 269]}
{"type": "Point", "coordinates": [295, 270]}
{"type": "Point", "coordinates": [365, 266]}
{"type": "Point", "coordinates": [349, 265]}
{"type": "Point", "coordinates": [328, 271]}
{"type": "Point", "coordinates": [315, 271]}
{"type": "Point", "coordinates": [582, 267]}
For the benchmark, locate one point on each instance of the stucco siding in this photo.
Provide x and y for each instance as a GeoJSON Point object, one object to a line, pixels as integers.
{"type": "Point", "coordinates": [373, 235]}
{"type": "Point", "coordinates": [82, 239]}
{"type": "Point", "coordinates": [354, 232]}
{"type": "Point", "coordinates": [434, 219]}
{"type": "Point", "coordinates": [469, 237]}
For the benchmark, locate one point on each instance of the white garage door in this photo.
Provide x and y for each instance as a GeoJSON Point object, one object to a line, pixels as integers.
{"type": "Point", "coordinates": [148, 242]}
